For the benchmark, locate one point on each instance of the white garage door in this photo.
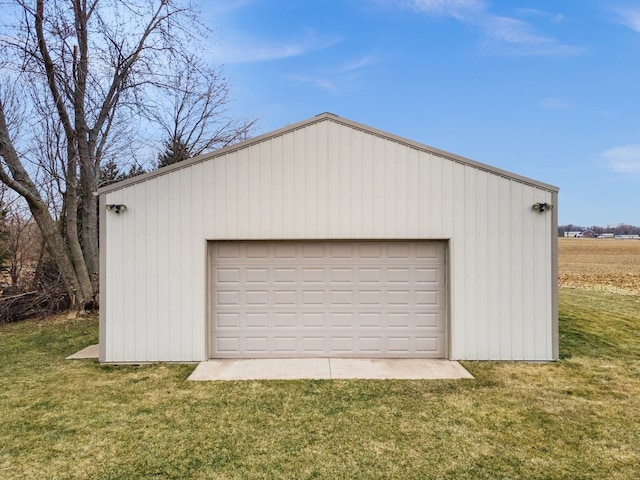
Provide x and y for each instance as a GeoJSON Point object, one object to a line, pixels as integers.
{"type": "Point", "coordinates": [327, 299]}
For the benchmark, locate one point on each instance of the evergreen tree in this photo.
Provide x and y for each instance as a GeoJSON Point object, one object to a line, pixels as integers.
{"type": "Point", "coordinates": [175, 150]}
{"type": "Point", "coordinates": [110, 172]}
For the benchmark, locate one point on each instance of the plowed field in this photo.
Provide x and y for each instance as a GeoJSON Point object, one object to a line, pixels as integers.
{"type": "Point", "coordinates": [599, 264]}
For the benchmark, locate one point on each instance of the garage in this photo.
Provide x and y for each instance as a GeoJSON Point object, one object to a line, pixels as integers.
{"type": "Point", "coordinates": [328, 299]}
{"type": "Point", "coordinates": [332, 239]}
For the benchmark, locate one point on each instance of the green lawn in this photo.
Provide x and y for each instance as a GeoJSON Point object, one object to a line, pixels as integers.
{"type": "Point", "coordinates": [576, 418]}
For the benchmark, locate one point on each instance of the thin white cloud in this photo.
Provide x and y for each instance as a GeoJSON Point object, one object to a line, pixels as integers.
{"type": "Point", "coordinates": [220, 8]}
{"type": "Point", "coordinates": [359, 63]}
{"type": "Point", "coordinates": [533, 12]}
{"type": "Point", "coordinates": [340, 76]}
{"type": "Point", "coordinates": [459, 9]}
{"type": "Point", "coordinates": [251, 50]}
{"type": "Point", "coordinates": [629, 17]}
{"type": "Point", "coordinates": [503, 35]}
{"type": "Point", "coordinates": [624, 159]}
{"type": "Point", "coordinates": [555, 103]}
{"type": "Point", "coordinates": [512, 36]}
{"type": "Point", "coordinates": [318, 82]}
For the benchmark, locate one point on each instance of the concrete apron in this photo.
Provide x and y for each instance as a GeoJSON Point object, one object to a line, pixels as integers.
{"type": "Point", "coordinates": [328, 368]}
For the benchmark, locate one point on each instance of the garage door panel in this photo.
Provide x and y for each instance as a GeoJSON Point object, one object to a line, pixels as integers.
{"type": "Point", "coordinates": [342, 345]}
{"type": "Point", "coordinates": [431, 320]}
{"type": "Point", "coordinates": [371, 320]}
{"type": "Point", "coordinates": [285, 276]}
{"type": "Point", "coordinates": [313, 297]}
{"type": "Point", "coordinates": [430, 252]}
{"type": "Point", "coordinates": [313, 251]}
{"type": "Point", "coordinates": [371, 299]}
{"type": "Point", "coordinates": [339, 276]}
{"type": "Point", "coordinates": [229, 277]}
{"type": "Point", "coordinates": [340, 250]}
{"type": "Point", "coordinates": [257, 320]}
{"type": "Point", "coordinates": [429, 276]}
{"type": "Point", "coordinates": [258, 276]}
{"type": "Point", "coordinates": [369, 250]}
{"type": "Point", "coordinates": [340, 319]}
{"type": "Point", "coordinates": [285, 298]}
{"type": "Point", "coordinates": [228, 320]}
{"type": "Point", "coordinates": [285, 319]}
{"type": "Point", "coordinates": [285, 345]}
{"type": "Point", "coordinates": [285, 250]}
{"type": "Point", "coordinates": [370, 276]}
{"type": "Point", "coordinates": [313, 275]}
{"type": "Point", "coordinates": [228, 298]}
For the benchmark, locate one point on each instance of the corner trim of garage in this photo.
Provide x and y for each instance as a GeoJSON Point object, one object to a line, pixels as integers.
{"type": "Point", "coordinates": [328, 369]}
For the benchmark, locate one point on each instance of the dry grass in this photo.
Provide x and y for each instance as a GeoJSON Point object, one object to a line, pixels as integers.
{"type": "Point", "coordinates": [578, 418]}
{"type": "Point", "coordinates": [599, 264]}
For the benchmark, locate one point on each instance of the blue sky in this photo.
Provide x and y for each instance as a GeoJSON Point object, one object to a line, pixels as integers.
{"type": "Point", "coordinates": [545, 89]}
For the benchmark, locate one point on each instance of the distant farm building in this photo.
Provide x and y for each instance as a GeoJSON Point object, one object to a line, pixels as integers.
{"type": "Point", "coordinates": [589, 234]}
{"type": "Point", "coordinates": [573, 234]}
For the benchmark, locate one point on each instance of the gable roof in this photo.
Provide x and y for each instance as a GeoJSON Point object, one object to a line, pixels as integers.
{"type": "Point", "coordinates": [320, 118]}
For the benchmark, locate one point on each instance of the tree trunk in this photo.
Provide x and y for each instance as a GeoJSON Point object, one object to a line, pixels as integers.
{"type": "Point", "coordinates": [77, 283]}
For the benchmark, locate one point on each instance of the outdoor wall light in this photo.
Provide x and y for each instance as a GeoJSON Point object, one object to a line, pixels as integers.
{"type": "Point", "coordinates": [116, 207]}
{"type": "Point", "coordinates": [542, 207]}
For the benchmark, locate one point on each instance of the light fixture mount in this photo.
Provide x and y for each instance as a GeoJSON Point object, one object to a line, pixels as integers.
{"type": "Point", "coordinates": [116, 207]}
{"type": "Point", "coordinates": [542, 207]}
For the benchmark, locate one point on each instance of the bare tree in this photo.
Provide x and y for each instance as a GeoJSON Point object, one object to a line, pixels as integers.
{"type": "Point", "coordinates": [193, 114]}
{"type": "Point", "coordinates": [91, 70]}
{"type": "Point", "coordinates": [24, 246]}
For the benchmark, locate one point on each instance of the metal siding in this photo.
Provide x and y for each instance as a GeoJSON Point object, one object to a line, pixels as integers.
{"type": "Point", "coordinates": [138, 308]}
{"type": "Point", "coordinates": [381, 220]}
{"type": "Point", "coordinates": [504, 285]}
{"type": "Point", "coordinates": [243, 196]}
{"type": "Point", "coordinates": [165, 287]}
{"type": "Point", "coordinates": [528, 275]}
{"type": "Point", "coordinates": [553, 321]}
{"type": "Point", "coordinates": [473, 315]}
{"type": "Point", "coordinates": [516, 262]}
{"type": "Point", "coordinates": [414, 224]}
{"type": "Point", "coordinates": [367, 199]}
{"type": "Point", "coordinates": [401, 192]}
{"type": "Point", "coordinates": [484, 325]}
{"type": "Point", "coordinates": [321, 184]}
{"type": "Point", "coordinates": [151, 284]}
{"type": "Point", "coordinates": [128, 284]}
{"type": "Point", "coordinates": [437, 201]}
{"type": "Point", "coordinates": [263, 162]}
{"type": "Point", "coordinates": [328, 180]}
{"type": "Point", "coordinates": [197, 255]}
{"type": "Point", "coordinates": [333, 185]}
{"type": "Point", "coordinates": [458, 260]}
{"type": "Point", "coordinates": [309, 152]}
{"type": "Point", "coordinates": [184, 279]}
{"type": "Point", "coordinates": [355, 192]}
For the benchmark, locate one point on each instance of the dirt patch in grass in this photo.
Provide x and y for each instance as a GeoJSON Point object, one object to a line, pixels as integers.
{"type": "Point", "coordinates": [599, 264]}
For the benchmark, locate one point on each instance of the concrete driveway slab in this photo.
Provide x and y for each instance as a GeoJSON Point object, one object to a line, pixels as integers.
{"type": "Point", "coordinates": [328, 368]}
{"type": "Point", "coordinates": [90, 352]}
{"type": "Point", "coordinates": [404, 369]}
{"type": "Point", "coordinates": [262, 369]}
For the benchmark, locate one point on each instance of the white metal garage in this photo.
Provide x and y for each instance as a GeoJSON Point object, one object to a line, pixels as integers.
{"type": "Point", "coordinates": [328, 238]}
{"type": "Point", "coordinates": [327, 299]}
